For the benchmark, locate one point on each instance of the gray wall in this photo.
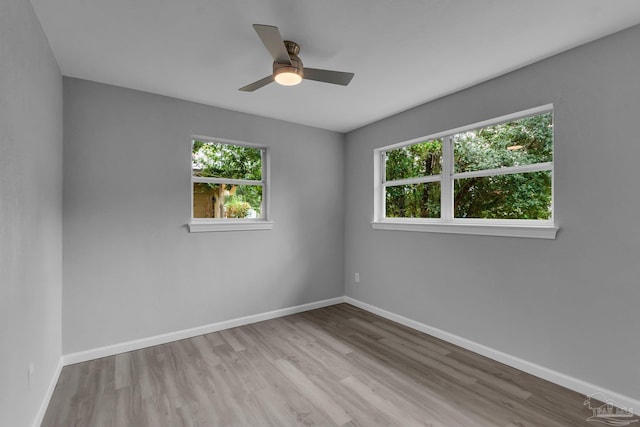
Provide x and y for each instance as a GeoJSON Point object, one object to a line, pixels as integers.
{"type": "Point", "coordinates": [569, 304]}
{"type": "Point", "coordinates": [30, 213]}
{"type": "Point", "coordinates": [132, 270]}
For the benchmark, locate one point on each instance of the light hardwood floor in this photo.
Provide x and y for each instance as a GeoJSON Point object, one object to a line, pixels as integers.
{"type": "Point", "coordinates": [335, 366]}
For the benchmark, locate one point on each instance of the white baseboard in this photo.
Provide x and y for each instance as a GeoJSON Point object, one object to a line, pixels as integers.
{"type": "Point", "coordinates": [575, 384]}
{"type": "Point", "coordinates": [110, 350]}
{"type": "Point", "coordinates": [47, 397]}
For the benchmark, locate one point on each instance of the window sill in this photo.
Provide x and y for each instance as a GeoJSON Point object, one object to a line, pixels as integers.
{"type": "Point", "coordinates": [196, 226]}
{"type": "Point", "coordinates": [504, 230]}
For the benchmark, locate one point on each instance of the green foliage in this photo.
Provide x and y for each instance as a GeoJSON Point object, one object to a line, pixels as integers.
{"type": "Point", "coordinates": [513, 196]}
{"type": "Point", "coordinates": [220, 160]}
{"type": "Point", "coordinates": [250, 194]}
{"type": "Point", "coordinates": [422, 159]}
{"type": "Point", "coordinates": [489, 147]}
{"type": "Point", "coordinates": [414, 200]}
{"type": "Point", "coordinates": [236, 207]}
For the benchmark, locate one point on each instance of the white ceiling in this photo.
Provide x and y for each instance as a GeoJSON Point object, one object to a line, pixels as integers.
{"type": "Point", "coordinates": [403, 52]}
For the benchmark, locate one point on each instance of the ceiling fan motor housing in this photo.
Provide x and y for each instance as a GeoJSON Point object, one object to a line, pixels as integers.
{"type": "Point", "coordinates": [296, 66]}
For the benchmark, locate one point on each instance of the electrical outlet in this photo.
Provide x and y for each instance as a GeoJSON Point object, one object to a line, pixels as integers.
{"type": "Point", "coordinates": [356, 278]}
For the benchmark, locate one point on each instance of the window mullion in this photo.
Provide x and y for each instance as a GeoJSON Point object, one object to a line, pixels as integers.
{"type": "Point", "coordinates": [535, 167]}
{"type": "Point", "coordinates": [446, 184]}
{"type": "Point", "coordinates": [409, 181]}
{"type": "Point", "coordinates": [191, 191]}
{"type": "Point", "coordinates": [228, 181]}
{"type": "Point", "coordinates": [381, 192]}
{"type": "Point", "coordinates": [266, 197]}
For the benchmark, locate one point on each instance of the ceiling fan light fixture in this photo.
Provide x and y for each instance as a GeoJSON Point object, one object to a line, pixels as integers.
{"type": "Point", "coordinates": [288, 76]}
{"type": "Point", "coordinates": [287, 65]}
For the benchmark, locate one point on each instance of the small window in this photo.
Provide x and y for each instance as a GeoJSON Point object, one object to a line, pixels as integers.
{"type": "Point", "coordinates": [493, 178]}
{"type": "Point", "coordinates": [228, 186]}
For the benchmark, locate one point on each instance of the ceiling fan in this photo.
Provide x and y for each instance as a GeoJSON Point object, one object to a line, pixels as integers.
{"type": "Point", "coordinates": [287, 66]}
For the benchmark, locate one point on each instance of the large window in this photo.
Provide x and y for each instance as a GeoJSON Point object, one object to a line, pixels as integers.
{"type": "Point", "coordinates": [228, 186]}
{"type": "Point", "coordinates": [494, 177]}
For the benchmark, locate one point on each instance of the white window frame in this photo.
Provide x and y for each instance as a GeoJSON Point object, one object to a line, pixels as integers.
{"type": "Point", "coordinates": [543, 229]}
{"type": "Point", "coordinates": [197, 225]}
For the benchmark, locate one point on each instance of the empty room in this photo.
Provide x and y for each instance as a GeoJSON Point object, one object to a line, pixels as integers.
{"type": "Point", "coordinates": [319, 213]}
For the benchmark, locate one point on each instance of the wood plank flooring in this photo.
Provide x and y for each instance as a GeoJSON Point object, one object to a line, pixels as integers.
{"type": "Point", "coordinates": [335, 366]}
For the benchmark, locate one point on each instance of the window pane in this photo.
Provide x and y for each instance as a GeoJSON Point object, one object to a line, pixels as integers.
{"type": "Point", "coordinates": [226, 201]}
{"type": "Point", "coordinates": [413, 201]}
{"type": "Point", "coordinates": [514, 196]}
{"type": "Point", "coordinates": [218, 160]}
{"type": "Point", "coordinates": [520, 142]}
{"type": "Point", "coordinates": [412, 161]}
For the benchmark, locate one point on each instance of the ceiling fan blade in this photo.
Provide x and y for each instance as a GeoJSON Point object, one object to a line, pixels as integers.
{"type": "Point", "coordinates": [272, 40]}
{"type": "Point", "coordinates": [328, 76]}
{"type": "Point", "coordinates": [257, 85]}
